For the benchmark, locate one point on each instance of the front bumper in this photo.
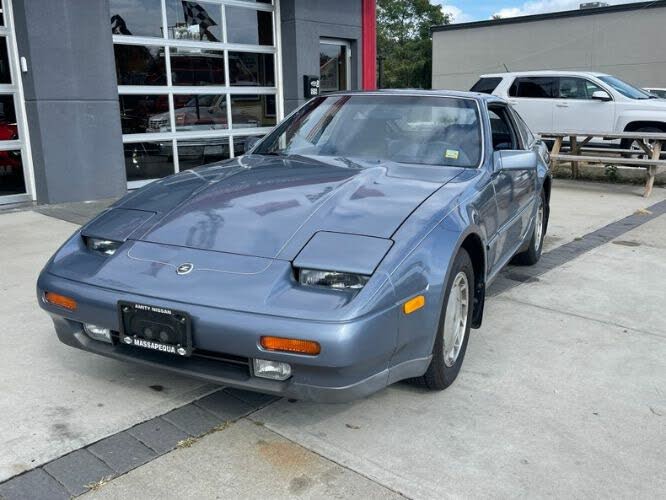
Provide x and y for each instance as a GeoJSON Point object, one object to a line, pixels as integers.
{"type": "Point", "coordinates": [354, 361]}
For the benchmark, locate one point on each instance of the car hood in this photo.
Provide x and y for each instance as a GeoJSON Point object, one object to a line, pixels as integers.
{"type": "Point", "coordinates": [647, 104]}
{"type": "Point", "coordinates": [267, 206]}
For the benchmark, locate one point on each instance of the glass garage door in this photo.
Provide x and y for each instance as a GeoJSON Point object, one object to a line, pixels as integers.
{"type": "Point", "coordinates": [195, 79]}
{"type": "Point", "coordinates": [15, 168]}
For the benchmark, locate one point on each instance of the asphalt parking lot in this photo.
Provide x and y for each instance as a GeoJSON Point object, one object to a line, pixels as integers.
{"type": "Point", "coordinates": [562, 393]}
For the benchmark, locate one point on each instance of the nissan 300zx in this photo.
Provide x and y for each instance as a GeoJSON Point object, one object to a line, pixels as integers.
{"type": "Point", "coordinates": [350, 248]}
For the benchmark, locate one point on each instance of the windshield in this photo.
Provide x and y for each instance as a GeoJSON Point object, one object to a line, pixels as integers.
{"type": "Point", "coordinates": [625, 88]}
{"type": "Point", "coordinates": [420, 130]}
{"type": "Point", "coordinates": [660, 93]}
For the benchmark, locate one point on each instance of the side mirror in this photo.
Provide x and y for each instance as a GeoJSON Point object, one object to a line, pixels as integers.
{"type": "Point", "coordinates": [601, 95]}
{"type": "Point", "coordinates": [250, 142]}
{"type": "Point", "coordinates": [514, 160]}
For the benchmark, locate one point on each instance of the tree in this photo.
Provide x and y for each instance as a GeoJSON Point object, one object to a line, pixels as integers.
{"type": "Point", "coordinates": [496, 17]}
{"type": "Point", "coordinates": [404, 43]}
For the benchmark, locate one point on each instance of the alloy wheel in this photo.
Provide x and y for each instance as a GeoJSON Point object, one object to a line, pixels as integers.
{"type": "Point", "coordinates": [538, 228]}
{"type": "Point", "coordinates": [455, 318]}
{"type": "Point", "coordinates": [640, 152]}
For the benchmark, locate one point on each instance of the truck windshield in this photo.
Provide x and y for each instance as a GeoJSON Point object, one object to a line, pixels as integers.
{"type": "Point", "coordinates": [625, 88]}
{"type": "Point", "coordinates": [423, 130]}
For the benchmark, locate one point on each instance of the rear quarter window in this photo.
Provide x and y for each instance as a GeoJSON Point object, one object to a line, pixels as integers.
{"type": "Point", "coordinates": [486, 85]}
{"type": "Point", "coordinates": [535, 87]}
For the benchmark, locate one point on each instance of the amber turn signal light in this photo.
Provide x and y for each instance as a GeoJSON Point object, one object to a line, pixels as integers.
{"type": "Point", "coordinates": [60, 300]}
{"type": "Point", "coordinates": [414, 304]}
{"type": "Point", "coordinates": [295, 346]}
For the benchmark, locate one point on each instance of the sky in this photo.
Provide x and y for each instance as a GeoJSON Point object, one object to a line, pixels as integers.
{"type": "Point", "coordinates": [478, 10]}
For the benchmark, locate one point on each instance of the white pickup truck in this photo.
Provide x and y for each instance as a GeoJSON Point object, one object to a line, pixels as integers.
{"type": "Point", "coordinates": [558, 101]}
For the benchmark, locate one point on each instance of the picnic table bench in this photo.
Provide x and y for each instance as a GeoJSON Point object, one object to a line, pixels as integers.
{"type": "Point", "coordinates": [579, 142]}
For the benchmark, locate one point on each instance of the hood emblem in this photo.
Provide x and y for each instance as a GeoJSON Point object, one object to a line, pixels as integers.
{"type": "Point", "coordinates": [185, 268]}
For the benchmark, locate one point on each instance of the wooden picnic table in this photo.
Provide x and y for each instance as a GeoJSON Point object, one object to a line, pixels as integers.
{"type": "Point", "coordinates": [650, 142]}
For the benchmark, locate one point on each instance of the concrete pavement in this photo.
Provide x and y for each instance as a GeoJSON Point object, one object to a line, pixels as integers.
{"type": "Point", "coordinates": [562, 393]}
{"type": "Point", "coordinates": [55, 399]}
{"type": "Point", "coordinates": [562, 390]}
{"type": "Point", "coordinates": [245, 460]}
{"type": "Point", "coordinates": [578, 208]}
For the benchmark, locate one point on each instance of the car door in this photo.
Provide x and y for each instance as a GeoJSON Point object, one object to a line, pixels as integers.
{"type": "Point", "coordinates": [515, 190]}
{"type": "Point", "coordinates": [534, 99]}
{"type": "Point", "coordinates": [576, 110]}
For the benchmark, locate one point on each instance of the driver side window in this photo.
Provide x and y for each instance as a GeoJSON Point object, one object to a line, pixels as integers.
{"type": "Point", "coordinates": [503, 133]}
{"type": "Point", "coordinates": [577, 88]}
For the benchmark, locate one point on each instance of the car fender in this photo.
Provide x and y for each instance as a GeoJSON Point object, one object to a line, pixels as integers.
{"type": "Point", "coordinates": [425, 272]}
{"type": "Point", "coordinates": [624, 118]}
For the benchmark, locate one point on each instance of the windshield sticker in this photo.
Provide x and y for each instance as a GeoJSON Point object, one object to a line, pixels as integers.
{"type": "Point", "coordinates": [451, 154]}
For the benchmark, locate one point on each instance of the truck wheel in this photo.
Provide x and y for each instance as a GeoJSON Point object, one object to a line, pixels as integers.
{"type": "Point", "coordinates": [454, 325]}
{"type": "Point", "coordinates": [634, 144]}
{"type": "Point", "coordinates": [533, 253]}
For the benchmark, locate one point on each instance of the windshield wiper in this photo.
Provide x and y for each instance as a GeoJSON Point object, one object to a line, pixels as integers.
{"type": "Point", "coordinates": [272, 153]}
{"type": "Point", "coordinates": [289, 156]}
{"type": "Point", "coordinates": [349, 163]}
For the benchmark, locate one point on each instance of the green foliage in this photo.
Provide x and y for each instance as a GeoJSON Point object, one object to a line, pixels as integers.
{"type": "Point", "coordinates": [610, 171]}
{"type": "Point", "coordinates": [404, 43]}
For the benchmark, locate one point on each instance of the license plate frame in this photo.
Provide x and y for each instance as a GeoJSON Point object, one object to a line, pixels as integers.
{"type": "Point", "coordinates": [135, 318]}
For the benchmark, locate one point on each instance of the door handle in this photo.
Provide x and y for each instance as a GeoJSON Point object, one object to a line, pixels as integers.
{"type": "Point", "coordinates": [562, 105]}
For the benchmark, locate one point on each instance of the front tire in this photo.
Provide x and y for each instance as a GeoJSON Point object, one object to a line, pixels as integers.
{"type": "Point", "coordinates": [633, 144]}
{"type": "Point", "coordinates": [533, 253]}
{"type": "Point", "coordinates": [454, 325]}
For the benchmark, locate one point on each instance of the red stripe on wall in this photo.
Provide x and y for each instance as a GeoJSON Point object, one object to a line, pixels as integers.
{"type": "Point", "coordinates": [369, 56]}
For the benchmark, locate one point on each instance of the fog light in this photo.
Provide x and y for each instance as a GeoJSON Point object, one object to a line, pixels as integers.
{"type": "Point", "coordinates": [98, 332]}
{"type": "Point", "coordinates": [271, 369]}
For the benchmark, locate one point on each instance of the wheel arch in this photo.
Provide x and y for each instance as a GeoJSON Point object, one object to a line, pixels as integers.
{"type": "Point", "coordinates": [547, 185]}
{"type": "Point", "coordinates": [633, 126]}
{"type": "Point", "coordinates": [473, 245]}
{"type": "Point", "coordinates": [639, 124]}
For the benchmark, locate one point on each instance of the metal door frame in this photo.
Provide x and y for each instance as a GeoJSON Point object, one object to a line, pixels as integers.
{"type": "Point", "coordinates": [16, 89]}
{"type": "Point", "coordinates": [347, 45]}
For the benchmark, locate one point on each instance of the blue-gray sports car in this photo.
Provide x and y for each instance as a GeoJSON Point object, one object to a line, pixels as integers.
{"type": "Point", "coordinates": [350, 248]}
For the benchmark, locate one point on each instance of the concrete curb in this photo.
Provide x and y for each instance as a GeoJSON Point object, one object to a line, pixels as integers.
{"type": "Point", "coordinates": [86, 468]}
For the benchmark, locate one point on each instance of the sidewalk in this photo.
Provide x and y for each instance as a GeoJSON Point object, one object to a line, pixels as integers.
{"type": "Point", "coordinates": [560, 394]}
{"type": "Point", "coordinates": [245, 460]}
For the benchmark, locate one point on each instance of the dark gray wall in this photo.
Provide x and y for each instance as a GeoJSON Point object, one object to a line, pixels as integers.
{"type": "Point", "coordinates": [304, 22]}
{"type": "Point", "coordinates": [71, 99]}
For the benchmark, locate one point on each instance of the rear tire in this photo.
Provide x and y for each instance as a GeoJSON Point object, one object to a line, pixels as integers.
{"type": "Point", "coordinates": [533, 253]}
{"type": "Point", "coordinates": [453, 328]}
